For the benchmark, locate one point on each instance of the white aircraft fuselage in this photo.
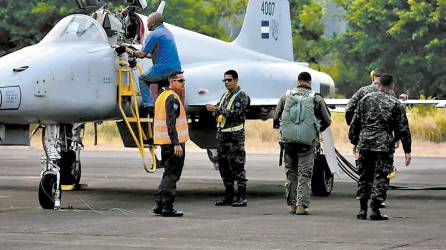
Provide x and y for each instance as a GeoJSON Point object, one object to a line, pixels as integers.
{"type": "Point", "coordinates": [75, 80]}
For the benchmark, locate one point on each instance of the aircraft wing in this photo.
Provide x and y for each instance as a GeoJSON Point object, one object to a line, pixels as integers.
{"type": "Point", "coordinates": [437, 103]}
{"type": "Point", "coordinates": [341, 102]}
{"type": "Point", "coordinates": [254, 102]}
{"type": "Point", "coordinates": [330, 102]}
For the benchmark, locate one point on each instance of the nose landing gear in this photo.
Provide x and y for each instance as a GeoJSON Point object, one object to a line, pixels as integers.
{"type": "Point", "coordinates": [60, 162]}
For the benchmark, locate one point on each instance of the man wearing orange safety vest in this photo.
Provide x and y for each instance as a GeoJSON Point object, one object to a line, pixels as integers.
{"type": "Point", "coordinates": [170, 132]}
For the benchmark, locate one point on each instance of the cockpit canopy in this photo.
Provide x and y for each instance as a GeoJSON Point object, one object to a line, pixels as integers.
{"type": "Point", "coordinates": [76, 28]}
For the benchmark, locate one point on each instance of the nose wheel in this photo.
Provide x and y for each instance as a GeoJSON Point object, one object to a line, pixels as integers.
{"type": "Point", "coordinates": [60, 162]}
{"type": "Point", "coordinates": [48, 191]}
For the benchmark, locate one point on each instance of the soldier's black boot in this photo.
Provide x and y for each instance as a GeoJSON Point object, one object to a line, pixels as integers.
{"type": "Point", "coordinates": [241, 201]}
{"type": "Point", "coordinates": [376, 214]}
{"type": "Point", "coordinates": [158, 208]}
{"type": "Point", "coordinates": [229, 196]}
{"type": "Point", "coordinates": [362, 214]}
{"type": "Point", "coordinates": [170, 211]}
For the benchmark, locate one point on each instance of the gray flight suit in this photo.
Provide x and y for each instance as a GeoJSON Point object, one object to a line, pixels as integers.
{"type": "Point", "coordinates": [299, 160]}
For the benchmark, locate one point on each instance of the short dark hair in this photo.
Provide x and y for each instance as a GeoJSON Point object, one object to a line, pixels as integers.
{"type": "Point", "coordinates": [304, 76]}
{"type": "Point", "coordinates": [174, 74]}
{"type": "Point", "coordinates": [386, 80]}
{"type": "Point", "coordinates": [232, 73]}
{"type": "Point", "coordinates": [378, 72]}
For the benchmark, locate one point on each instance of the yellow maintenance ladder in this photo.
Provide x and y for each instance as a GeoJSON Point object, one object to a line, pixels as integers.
{"type": "Point", "coordinates": [128, 93]}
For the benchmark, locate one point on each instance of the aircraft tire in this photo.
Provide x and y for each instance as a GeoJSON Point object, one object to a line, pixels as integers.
{"type": "Point", "coordinates": [47, 187]}
{"type": "Point", "coordinates": [322, 180]}
{"type": "Point", "coordinates": [212, 154]}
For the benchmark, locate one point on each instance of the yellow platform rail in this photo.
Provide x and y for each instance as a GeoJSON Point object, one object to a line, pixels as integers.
{"type": "Point", "coordinates": [128, 93]}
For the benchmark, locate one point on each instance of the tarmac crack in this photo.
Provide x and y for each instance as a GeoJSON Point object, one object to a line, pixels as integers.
{"type": "Point", "coordinates": [409, 244]}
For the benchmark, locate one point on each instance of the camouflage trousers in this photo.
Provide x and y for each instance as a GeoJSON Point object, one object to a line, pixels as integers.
{"type": "Point", "coordinates": [373, 170]}
{"type": "Point", "coordinates": [231, 158]}
{"type": "Point", "coordinates": [299, 169]}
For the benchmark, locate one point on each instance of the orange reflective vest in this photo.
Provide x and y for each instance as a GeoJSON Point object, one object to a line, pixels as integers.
{"type": "Point", "coordinates": [160, 132]}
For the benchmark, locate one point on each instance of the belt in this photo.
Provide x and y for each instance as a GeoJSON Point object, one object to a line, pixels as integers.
{"type": "Point", "coordinates": [233, 129]}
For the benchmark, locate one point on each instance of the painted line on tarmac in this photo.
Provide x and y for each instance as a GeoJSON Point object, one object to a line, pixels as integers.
{"type": "Point", "coordinates": [18, 177]}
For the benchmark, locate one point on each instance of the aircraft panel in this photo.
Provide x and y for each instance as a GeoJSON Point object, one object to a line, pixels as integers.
{"type": "Point", "coordinates": [10, 98]}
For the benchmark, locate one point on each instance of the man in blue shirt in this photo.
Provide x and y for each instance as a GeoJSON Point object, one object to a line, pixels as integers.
{"type": "Point", "coordinates": [160, 46]}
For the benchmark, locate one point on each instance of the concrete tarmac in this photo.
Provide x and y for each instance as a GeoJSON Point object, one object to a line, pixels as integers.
{"type": "Point", "coordinates": [113, 213]}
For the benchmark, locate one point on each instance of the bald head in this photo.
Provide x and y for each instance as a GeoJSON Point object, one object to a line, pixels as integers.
{"type": "Point", "coordinates": [154, 20]}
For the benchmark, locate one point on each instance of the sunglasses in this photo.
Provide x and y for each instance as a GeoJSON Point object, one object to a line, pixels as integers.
{"type": "Point", "coordinates": [227, 80]}
{"type": "Point", "coordinates": [179, 80]}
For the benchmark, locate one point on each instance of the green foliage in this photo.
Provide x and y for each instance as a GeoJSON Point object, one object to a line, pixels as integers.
{"type": "Point", "coordinates": [428, 124]}
{"type": "Point", "coordinates": [204, 16]}
{"type": "Point", "coordinates": [425, 110]}
{"type": "Point", "coordinates": [308, 28]}
{"type": "Point", "coordinates": [23, 23]}
{"type": "Point", "coordinates": [405, 37]}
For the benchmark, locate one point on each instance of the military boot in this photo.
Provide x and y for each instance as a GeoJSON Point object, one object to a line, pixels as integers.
{"type": "Point", "coordinates": [362, 214]}
{"type": "Point", "coordinates": [170, 211]}
{"type": "Point", "coordinates": [241, 200]}
{"type": "Point", "coordinates": [229, 196]}
{"type": "Point", "coordinates": [158, 208]}
{"type": "Point", "coordinates": [376, 213]}
{"type": "Point", "coordinates": [301, 210]}
{"type": "Point", "coordinates": [292, 209]}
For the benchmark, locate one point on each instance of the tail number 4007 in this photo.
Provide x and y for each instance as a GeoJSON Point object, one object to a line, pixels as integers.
{"type": "Point", "coordinates": [268, 8]}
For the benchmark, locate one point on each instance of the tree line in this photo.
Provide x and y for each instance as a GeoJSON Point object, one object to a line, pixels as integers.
{"type": "Point", "coordinates": [407, 37]}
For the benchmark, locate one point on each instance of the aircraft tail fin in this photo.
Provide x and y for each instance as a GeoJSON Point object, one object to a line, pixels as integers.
{"type": "Point", "coordinates": [267, 28]}
{"type": "Point", "coordinates": [161, 7]}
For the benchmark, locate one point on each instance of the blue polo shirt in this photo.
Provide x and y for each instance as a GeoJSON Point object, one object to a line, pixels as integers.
{"type": "Point", "coordinates": [161, 45]}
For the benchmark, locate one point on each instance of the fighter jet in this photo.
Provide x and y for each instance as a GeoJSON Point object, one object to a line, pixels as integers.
{"type": "Point", "coordinates": [70, 78]}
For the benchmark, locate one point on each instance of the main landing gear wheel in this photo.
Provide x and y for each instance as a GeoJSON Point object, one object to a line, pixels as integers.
{"type": "Point", "coordinates": [47, 191]}
{"type": "Point", "coordinates": [212, 154]}
{"type": "Point", "coordinates": [322, 180]}
{"type": "Point", "coordinates": [70, 169]}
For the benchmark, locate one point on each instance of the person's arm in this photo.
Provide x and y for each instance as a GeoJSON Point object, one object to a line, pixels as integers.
{"type": "Point", "coordinates": [147, 49]}
{"type": "Point", "coordinates": [213, 108]}
{"type": "Point", "coordinates": [355, 126]}
{"type": "Point", "coordinates": [137, 53]}
{"type": "Point", "coordinates": [351, 106]}
{"type": "Point", "coordinates": [279, 108]}
{"type": "Point", "coordinates": [401, 126]}
{"type": "Point", "coordinates": [241, 106]}
{"type": "Point", "coordinates": [322, 113]}
{"type": "Point", "coordinates": [172, 113]}
{"type": "Point", "coordinates": [278, 112]}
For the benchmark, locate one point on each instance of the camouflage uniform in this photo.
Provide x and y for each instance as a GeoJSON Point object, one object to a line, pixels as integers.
{"type": "Point", "coordinates": [299, 161]}
{"type": "Point", "coordinates": [379, 121]}
{"type": "Point", "coordinates": [353, 102]}
{"type": "Point", "coordinates": [231, 154]}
